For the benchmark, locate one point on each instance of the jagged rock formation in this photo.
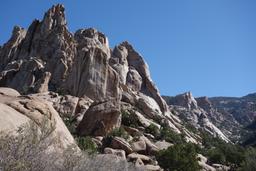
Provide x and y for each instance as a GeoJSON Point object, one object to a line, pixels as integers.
{"type": "Point", "coordinates": [96, 90]}
{"type": "Point", "coordinates": [88, 84]}
{"type": "Point", "coordinates": [189, 111]}
{"type": "Point", "coordinates": [230, 114]}
{"type": "Point", "coordinates": [48, 57]}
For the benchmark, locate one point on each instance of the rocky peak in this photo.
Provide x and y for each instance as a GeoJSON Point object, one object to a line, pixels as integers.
{"type": "Point", "coordinates": [53, 18]}
{"type": "Point", "coordinates": [185, 100]}
{"type": "Point", "coordinates": [91, 37]}
{"type": "Point", "coordinates": [10, 49]}
{"type": "Point", "coordinates": [136, 62]}
{"type": "Point", "coordinates": [204, 103]}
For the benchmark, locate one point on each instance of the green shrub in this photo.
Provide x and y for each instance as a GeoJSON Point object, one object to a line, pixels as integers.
{"type": "Point", "coordinates": [249, 163]}
{"type": "Point", "coordinates": [119, 132]}
{"type": "Point", "coordinates": [153, 129]}
{"type": "Point", "coordinates": [180, 157]}
{"type": "Point", "coordinates": [221, 152]}
{"type": "Point", "coordinates": [69, 124]}
{"type": "Point", "coordinates": [86, 144]}
{"type": "Point", "coordinates": [171, 136]}
{"type": "Point", "coordinates": [216, 156]}
{"type": "Point", "coordinates": [130, 119]}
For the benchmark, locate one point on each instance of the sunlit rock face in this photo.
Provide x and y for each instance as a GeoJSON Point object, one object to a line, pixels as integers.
{"type": "Point", "coordinates": [189, 111]}
{"type": "Point", "coordinates": [47, 57]}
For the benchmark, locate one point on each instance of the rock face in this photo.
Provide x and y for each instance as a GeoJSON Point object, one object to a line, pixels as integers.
{"type": "Point", "coordinates": [91, 74]}
{"type": "Point", "coordinates": [19, 111]}
{"type": "Point", "coordinates": [189, 111]}
{"type": "Point", "coordinates": [47, 46]}
{"type": "Point", "coordinates": [100, 119]}
{"type": "Point", "coordinates": [131, 66]}
{"type": "Point", "coordinates": [47, 57]}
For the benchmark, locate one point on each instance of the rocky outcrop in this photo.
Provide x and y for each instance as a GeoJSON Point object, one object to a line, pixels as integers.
{"type": "Point", "coordinates": [91, 74]}
{"type": "Point", "coordinates": [47, 57]}
{"type": "Point", "coordinates": [16, 112]}
{"type": "Point", "coordinates": [100, 119]}
{"type": "Point", "coordinates": [120, 143]}
{"type": "Point", "coordinates": [189, 111]}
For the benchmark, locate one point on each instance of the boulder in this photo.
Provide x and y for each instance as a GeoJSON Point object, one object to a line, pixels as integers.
{"type": "Point", "coordinates": [120, 143]}
{"type": "Point", "coordinates": [135, 156]}
{"type": "Point", "coordinates": [132, 131]}
{"type": "Point", "coordinates": [139, 146]}
{"type": "Point", "coordinates": [151, 148]}
{"type": "Point", "coordinates": [23, 110]}
{"type": "Point", "coordinates": [139, 163]}
{"type": "Point", "coordinates": [163, 145]}
{"type": "Point", "coordinates": [9, 92]}
{"type": "Point", "coordinates": [153, 168]}
{"type": "Point", "coordinates": [119, 153]}
{"type": "Point", "coordinates": [100, 119]}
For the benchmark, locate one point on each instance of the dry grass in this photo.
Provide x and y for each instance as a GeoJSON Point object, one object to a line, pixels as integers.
{"type": "Point", "coordinates": [32, 150]}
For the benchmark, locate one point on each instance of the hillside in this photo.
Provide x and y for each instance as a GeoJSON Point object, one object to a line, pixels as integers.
{"type": "Point", "coordinates": [90, 106]}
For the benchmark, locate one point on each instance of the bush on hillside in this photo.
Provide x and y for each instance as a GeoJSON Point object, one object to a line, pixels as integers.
{"type": "Point", "coordinates": [86, 144]}
{"type": "Point", "coordinates": [171, 136]}
{"type": "Point", "coordinates": [28, 150]}
{"type": "Point", "coordinates": [249, 163]}
{"type": "Point", "coordinates": [130, 119]}
{"type": "Point", "coordinates": [153, 129]}
{"type": "Point", "coordinates": [179, 157]}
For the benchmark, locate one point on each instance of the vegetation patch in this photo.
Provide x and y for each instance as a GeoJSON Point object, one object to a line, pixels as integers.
{"type": "Point", "coordinates": [179, 157]}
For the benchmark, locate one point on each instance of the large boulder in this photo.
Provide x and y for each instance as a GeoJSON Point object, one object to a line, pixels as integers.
{"type": "Point", "coordinates": [16, 112]}
{"type": "Point", "coordinates": [119, 153]}
{"type": "Point", "coordinates": [120, 143]}
{"type": "Point", "coordinates": [9, 92]}
{"type": "Point", "coordinates": [100, 119]}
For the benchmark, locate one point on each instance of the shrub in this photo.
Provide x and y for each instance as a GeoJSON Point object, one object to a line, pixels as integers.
{"type": "Point", "coordinates": [130, 119]}
{"type": "Point", "coordinates": [29, 150]}
{"type": "Point", "coordinates": [69, 122]}
{"type": "Point", "coordinates": [171, 136]}
{"type": "Point", "coordinates": [221, 152]}
{"type": "Point", "coordinates": [119, 132]}
{"type": "Point", "coordinates": [153, 129]}
{"type": "Point", "coordinates": [86, 144]}
{"type": "Point", "coordinates": [179, 157]}
{"type": "Point", "coordinates": [216, 156]}
{"type": "Point", "coordinates": [249, 164]}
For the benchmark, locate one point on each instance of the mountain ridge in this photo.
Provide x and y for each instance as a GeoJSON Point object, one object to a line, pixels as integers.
{"type": "Point", "coordinates": [104, 94]}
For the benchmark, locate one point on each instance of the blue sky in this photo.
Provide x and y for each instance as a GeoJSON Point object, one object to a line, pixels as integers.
{"type": "Point", "coordinates": [207, 47]}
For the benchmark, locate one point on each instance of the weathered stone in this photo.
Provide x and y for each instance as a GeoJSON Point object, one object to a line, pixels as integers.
{"type": "Point", "coordinates": [119, 153]}
{"type": "Point", "coordinates": [153, 168]}
{"type": "Point", "coordinates": [120, 143]}
{"type": "Point", "coordinates": [151, 147]}
{"type": "Point", "coordinates": [21, 111]}
{"type": "Point", "coordinates": [9, 92]}
{"type": "Point", "coordinates": [42, 84]}
{"type": "Point", "coordinates": [91, 73]}
{"type": "Point", "coordinates": [163, 145]}
{"type": "Point", "coordinates": [139, 146]}
{"type": "Point", "coordinates": [139, 163]}
{"type": "Point", "coordinates": [132, 131]}
{"type": "Point", "coordinates": [100, 119]}
{"type": "Point", "coordinates": [135, 156]}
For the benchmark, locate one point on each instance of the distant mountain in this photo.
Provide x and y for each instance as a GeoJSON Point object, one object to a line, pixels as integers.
{"type": "Point", "coordinates": [230, 114]}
